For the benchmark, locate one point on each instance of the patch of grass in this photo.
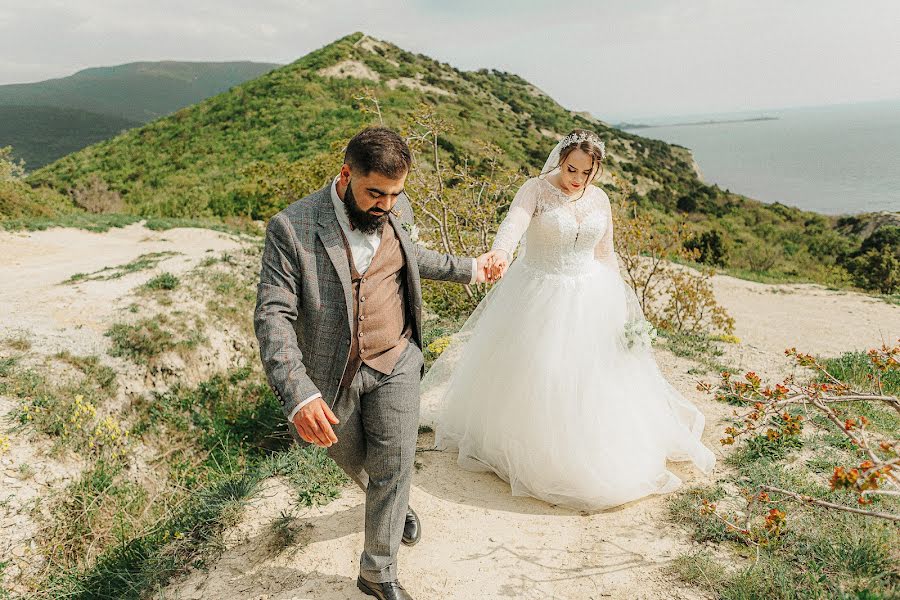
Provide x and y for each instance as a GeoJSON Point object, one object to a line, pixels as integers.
{"type": "Point", "coordinates": [761, 447]}
{"type": "Point", "coordinates": [893, 299]}
{"type": "Point", "coordinates": [684, 510]}
{"type": "Point", "coordinates": [316, 479]}
{"type": "Point", "coordinates": [700, 348]}
{"type": "Point", "coordinates": [188, 533]}
{"type": "Point", "coordinates": [140, 341]}
{"type": "Point", "coordinates": [210, 447]}
{"type": "Point", "coordinates": [825, 461]}
{"type": "Point", "coordinates": [144, 340]}
{"type": "Point", "coordinates": [26, 471]}
{"type": "Point", "coordinates": [98, 223]}
{"type": "Point", "coordinates": [20, 343]}
{"type": "Point", "coordinates": [101, 223]}
{"type": "Point", "coordinates": [165, 281]}
{"type": "Point", "coordinates": [140, 564]}
{"type": "Point", "coordinates": [820, 554]}
{"type": "Point", "coordinates": [102, 507]}
{"type": "Point", "coordinates": [66, 410]}
{"type": "Point", "coordinates": [699, 569]}
{"type": "Point", "coordinates": [141, 263]}
{"type": "Point", "coordinates": [4, 593]}
{"type": "Point", "coordinates": [102, 375]}
{"type": "Point", "coordinates": [284, 531]}
{"type": "Point", "coordinates": [232, 295]}
{"type": "Point", "coordinates": [856, 369]}
{"type": "Point", "coordinates": [232, 225]}
{"type": "Point", "coordinates": [6, 365]}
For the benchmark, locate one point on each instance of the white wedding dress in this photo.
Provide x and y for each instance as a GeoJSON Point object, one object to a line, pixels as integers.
{"type": "Point", "coordinates": [541, 387]}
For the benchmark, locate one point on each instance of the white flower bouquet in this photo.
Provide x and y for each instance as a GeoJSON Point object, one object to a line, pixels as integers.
{"type": "Point", "coordinates": [639, 334]}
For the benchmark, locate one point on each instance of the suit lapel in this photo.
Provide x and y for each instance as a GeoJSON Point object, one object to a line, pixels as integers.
{"type": "Point", "coordinates": [413, 282]}
{"type": "Point", "coordinates": [330, 234]}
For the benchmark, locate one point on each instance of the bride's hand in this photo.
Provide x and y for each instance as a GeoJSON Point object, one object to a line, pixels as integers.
{"type": "Point", "coordinates": [497, 265]}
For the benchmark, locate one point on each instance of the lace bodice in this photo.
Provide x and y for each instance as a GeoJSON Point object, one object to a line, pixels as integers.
{"type": "Point", "coordinates": [562, 233]}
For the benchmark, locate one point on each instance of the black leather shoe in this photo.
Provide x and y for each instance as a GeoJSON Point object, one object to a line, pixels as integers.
{"type": "Point", "coordinates": [389, 590]}
{"type": "Point", "coordinates": [412, 530]}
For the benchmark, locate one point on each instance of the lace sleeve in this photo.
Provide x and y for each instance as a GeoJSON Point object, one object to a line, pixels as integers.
{"type": "Point", "coordinates": [517, 219]}
{"type": "Point", "coordinates": [605, 250]}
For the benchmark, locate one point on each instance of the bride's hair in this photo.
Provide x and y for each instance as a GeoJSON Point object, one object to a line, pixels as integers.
{"type": "Point", "coordinates": [588, 142]}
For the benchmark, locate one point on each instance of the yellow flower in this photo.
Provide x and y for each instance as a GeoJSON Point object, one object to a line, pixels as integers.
{"type": "Point", "coordinates": [438, 346]}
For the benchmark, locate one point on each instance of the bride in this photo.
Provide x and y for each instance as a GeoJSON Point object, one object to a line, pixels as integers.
{"type": "Point", "coordinates": [552, 383]}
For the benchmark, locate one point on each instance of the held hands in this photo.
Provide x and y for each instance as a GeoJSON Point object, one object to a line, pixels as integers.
{"type": "Point", "coordinates": [492, 266]}
{"type": "Point", "coordinates": [313, 423]}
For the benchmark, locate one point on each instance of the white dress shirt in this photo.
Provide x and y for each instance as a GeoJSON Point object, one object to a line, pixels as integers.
{"type": "Point", "coordinates": [362, 248]}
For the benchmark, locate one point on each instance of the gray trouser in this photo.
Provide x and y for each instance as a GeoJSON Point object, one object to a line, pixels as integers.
{"type": "Point", "coordinates": [379, 424]}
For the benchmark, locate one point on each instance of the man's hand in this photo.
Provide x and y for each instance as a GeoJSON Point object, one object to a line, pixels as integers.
{"type": "Point", "coordinates": [313, 423]}
{"type": "Point", "coordinates": [493, 266]}
{"type": "Point", "coordinates": [483, 268]}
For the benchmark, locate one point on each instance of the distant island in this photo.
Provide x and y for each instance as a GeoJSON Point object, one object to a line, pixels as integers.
{"type": "Point", "coordinates": [709, 122]}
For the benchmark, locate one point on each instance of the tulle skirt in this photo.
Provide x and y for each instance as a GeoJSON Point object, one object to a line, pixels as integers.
{"type": "Point", "coordinates": [540, 387]}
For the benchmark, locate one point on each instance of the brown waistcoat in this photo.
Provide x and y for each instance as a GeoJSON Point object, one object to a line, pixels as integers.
{"type": "Point", "coordinates": [381, 327]}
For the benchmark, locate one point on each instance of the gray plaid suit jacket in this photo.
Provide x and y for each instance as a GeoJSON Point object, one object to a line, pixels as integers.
{"type": "Point", "coordinates": [304, 299]}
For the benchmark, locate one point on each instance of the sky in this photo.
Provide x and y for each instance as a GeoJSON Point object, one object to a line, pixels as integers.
{"type": "Point", "coordinates": [618, 59]}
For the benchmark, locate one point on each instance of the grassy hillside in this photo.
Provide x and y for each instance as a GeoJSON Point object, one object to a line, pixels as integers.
{"type": "Point", "coordinates": [42, 134]}
{"type": "Point", "coordinates": [46, 120]}
{"type": "Point", "coordinates": [217, 158]}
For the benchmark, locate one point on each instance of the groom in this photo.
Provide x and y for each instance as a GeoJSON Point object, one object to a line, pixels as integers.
{"type": "Point", "coordinates": [339, 323]}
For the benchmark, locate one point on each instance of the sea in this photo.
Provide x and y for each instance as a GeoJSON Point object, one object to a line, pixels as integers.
{"type": "Point", "coordinates": [839, 159]}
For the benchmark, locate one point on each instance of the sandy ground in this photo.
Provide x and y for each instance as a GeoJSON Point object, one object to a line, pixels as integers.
{"type": "Point", "coordinates": [479, 542]}
{"type": "Point", "coordinates": [772, 318]}
{"type": "Point", "coordinates": [57, 316]}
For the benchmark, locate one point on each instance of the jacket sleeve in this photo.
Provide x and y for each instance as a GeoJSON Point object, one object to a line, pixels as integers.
{"type": "Point", "coordinates": [276, 312]}
{"type": "Point", "coordinates": [437, 265]}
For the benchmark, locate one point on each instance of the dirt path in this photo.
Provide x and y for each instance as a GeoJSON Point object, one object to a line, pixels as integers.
{"type": "Point", "coordinates": [479, 542]}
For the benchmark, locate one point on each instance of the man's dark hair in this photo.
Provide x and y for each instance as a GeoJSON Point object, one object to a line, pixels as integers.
{"type": "Point", "coordinates": [378, 149]}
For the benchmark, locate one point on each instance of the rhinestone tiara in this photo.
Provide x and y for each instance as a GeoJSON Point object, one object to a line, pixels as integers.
{"type": "Point", "coordinates": [578, 137]}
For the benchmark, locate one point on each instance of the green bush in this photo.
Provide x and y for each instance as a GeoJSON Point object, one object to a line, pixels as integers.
{"type": "Point", "coordinates": [876, 265]}
{"type": "Point", "coordinates": [711, 246]}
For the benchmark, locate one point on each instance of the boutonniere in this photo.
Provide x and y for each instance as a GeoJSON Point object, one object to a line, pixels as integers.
{"type": "Point", "coordinates": [397, 212]}
{"type": "Point", "coordinates": [412, 230]}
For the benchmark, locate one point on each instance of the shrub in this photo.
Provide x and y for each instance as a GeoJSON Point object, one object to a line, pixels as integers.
{"type": "Point", "coordinates": [687, 203]}
{"type": "Point", "coordinates": [876, 270]}
{"type": "Point", "coordinates": [711, 248]}
{"type": "Point", "coordinates": [876, 265]}
{"type": "Point", "coordinates": [95, 197]}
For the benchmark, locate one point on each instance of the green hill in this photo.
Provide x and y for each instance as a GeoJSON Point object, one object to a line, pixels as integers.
{"type": "Point", "coordinates": [300, 111]}
{"type": "Point", "coordinates": [218, 158]}
{"type": "Point", "coordinates": [49, 119]}
{"type": "Point", "coordinates": [41, 134]}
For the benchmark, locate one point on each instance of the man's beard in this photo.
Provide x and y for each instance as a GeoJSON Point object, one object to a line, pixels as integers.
{"type": "Point", "coordinates": [362, 220]}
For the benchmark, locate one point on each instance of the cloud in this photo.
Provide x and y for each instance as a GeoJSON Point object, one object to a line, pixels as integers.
{"type": "Point", "coordinates": [616, 58]}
